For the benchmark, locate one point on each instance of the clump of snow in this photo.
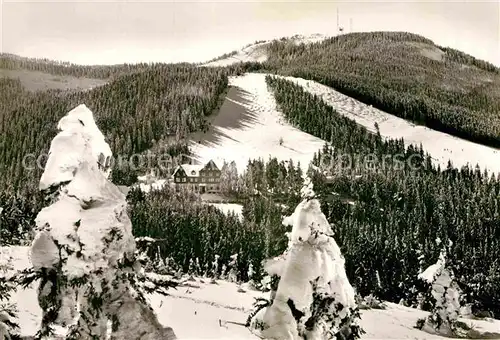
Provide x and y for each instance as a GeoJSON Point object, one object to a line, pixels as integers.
{"type": "Point", "coordinates": [314, 298]}
{"type": "Point", "coordinates": [433, 53]}
{"type": "Point", "coordinates": [84, 250]}
{"type": "Point", "coordinates": [8, 326]}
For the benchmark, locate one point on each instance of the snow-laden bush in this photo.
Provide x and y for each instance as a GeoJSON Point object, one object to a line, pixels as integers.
{"type": "Point", "coordinates": [445, 296]}
{"type": "Point", "coordinates": [84, 252]}
{"type": "Point", "coordinates": [311, 297]}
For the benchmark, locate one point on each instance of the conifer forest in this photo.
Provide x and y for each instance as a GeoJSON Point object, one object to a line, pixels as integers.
{"type": "Point", "coordinates": [389, 218]}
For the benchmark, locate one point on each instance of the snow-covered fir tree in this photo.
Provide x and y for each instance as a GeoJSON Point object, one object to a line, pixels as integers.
{"type": "Point", "coordinates": [232, 275]}
{"type": "Point", "coordinates": [445, 295]}
{"type": "Point", "coordinates": [84, 252]}
{"type": "Point", "coordinates": [311, 297]}
{"type": "Point", "coordinates": [215, 267]}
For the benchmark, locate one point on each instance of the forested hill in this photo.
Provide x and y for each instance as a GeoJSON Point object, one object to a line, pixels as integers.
{"type": "Point", "coordinates": [135, 110]}
{"type": "Point", "coordinates": [62, 68]}
{"type": "Point", "coordinates": [403, 74]}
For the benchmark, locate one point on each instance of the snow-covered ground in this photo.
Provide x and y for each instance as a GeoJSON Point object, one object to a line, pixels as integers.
{"type": "Point", "coordinates": [441, 146]}
{"type": "Point", "coordinates": [201, 310]}
{"type": "Point", "coordinates": [259, 137]}
{"type": "Point", "coordinates": [227, 208]}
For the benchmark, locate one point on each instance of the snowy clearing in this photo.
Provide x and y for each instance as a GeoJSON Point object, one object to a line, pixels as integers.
{"type": "Point", "coordinates": [227, 208]}
{"type": "Point", "coordinates": [259, 137]}
{"type": "Point", "coordinates": [441, 146]}
{"type": "Point", "coordinates": [194, 310]}
{"type": "Point", "coordinates": [156, 185]}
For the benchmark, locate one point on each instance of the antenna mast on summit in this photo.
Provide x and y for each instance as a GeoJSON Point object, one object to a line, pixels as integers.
{"type": "Point", "coordinates": [338, 27]}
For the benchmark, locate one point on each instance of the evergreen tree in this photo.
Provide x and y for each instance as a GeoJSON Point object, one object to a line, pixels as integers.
{"type": "Point", "coordinates": [84, 251]}
{"type": "Point", "coordinates": [313, 298]}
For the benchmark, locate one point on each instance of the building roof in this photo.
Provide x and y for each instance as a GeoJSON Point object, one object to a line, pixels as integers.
{"type": "Point", "coordinates": [191, 170]}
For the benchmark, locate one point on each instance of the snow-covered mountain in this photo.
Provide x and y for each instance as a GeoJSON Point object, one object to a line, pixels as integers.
{"type": "Point", "coordinates": [441, 146]}
{"type": "Point", "coordinates": [257, 52]}
{"type": "Point", "coordinates": [250, 125]}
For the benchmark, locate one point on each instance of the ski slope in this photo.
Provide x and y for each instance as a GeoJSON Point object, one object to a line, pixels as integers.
{"type": "Point", "coordinates": [441, 146]}
{"type": "Point", "coordinates": [257, 52]}
{"type": "Point", "coordinates": [259, 137]}
{"type": "Point", "coordinates": [199, 309]}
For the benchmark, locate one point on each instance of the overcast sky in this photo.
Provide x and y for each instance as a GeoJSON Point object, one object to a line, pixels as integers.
{"type": "Point", "coordinates": [106, 32]}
